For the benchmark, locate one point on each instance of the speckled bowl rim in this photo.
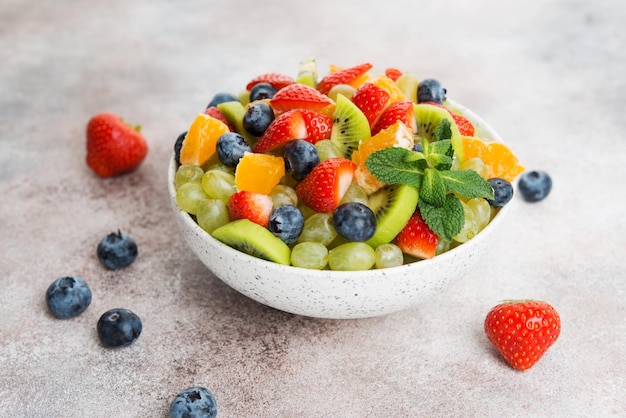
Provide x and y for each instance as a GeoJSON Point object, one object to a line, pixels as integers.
{"type": "Point", "coordinates": [322, 276]}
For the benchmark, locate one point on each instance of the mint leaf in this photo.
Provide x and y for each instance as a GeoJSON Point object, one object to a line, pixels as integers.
{"type": "Point", "coordinates": [446, 221]}
{"type": "Point", "coordinates": [439, 154]}
{"type": "Point", "coordinates": [394, 165]}
{"type": "Point", "coordinates": [443, 131]}
{"type": "Point", "coordinates": [466, 183]}
{"type": "Point", "coordinates": [433, 188]}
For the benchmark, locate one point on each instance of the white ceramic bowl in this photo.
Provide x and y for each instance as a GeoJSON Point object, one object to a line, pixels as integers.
{"type": "Point", "coordinates": [336, 294]}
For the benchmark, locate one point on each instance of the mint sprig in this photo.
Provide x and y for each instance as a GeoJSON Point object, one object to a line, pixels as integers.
{"type": "Point", "coordinates": [430, 171]}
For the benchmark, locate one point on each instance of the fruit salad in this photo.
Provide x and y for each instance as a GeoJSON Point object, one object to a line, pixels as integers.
{"type": "Point", "coordinates": [354, 170]}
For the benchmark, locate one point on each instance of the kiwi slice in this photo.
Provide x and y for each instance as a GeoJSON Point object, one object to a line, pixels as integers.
{"type": "Point", "coordinates": [350, 126]}
{"type": "Point", "coordinates": [233, 112]}
{"type": "Point", "coordinates": [393, 206]}
{"type": "Point", "coordinates": [428, 117]}
{"type": "Point", "coordinates": [253, 239]}
{"type": "Point", "coordinates": [307, 72]}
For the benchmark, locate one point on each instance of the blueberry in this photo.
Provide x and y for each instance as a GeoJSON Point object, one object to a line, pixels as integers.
{"type": "Point", "coordinates": [262, 91]}
{"type": "Point", "coordinates": [300, 158]}
{"type": "Point", "coordinates": [68, 297]}
{"type": "Point", "coordinates": [116, 251]}
{"type": "Point", "coordinates": [119, 328]}
{"type": "Point", "coordinates": [178, 145]}
{"type": "Point", "coordinates": [222, 98]}
{"type": "Point", "coordinates": [195, 402]}
{"type": "Point", "coordinates": [535, 185]}
{"type": "Point", "coordinates": [257, 118]}
{"type": "Point", "coordinates": [230, 148]}
{"type": "Point", "coordinates": [286, 222]}
{"type": "Point", "coordinates": [502, 192]}
{"type": "Point", "coordinates": [354, 221]}
{"type": "Point", "coordinates": [430, 90]}
{"type": "Point", "coordinates": [418, 147]}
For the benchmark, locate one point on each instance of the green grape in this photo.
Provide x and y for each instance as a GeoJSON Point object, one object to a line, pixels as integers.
{"type": "Point", "coordinates": [283, 195]}
{"type": "Point", "coordinates": [388, 255]}
{"type": "Point", "coordinates": [318, 228]}
{"type": "Point", "coordinates": [219, 184]}
{"type": "Point", "coordinates": [187, 173]}
{"type": "Point", "coordinates": [211, 214]}
{"type": "Point", "coordinates": [189, 195]}
{"type": "Point", "coordinates": [326, 149]}
{"type": "Point", "coordinates": [352, 256]}
{"type": "Point", "coordinates": [309, 255]}
{"type": "Point", "coordinates": [355, 193]}
{"type": "Point", "coordinates": [477, 165]}
{"type": "Point", "coordinates": [442, 246]}
{"type": "Point", "coordinates": [222, 167]}
{"type": "Point", "coordinates": [471, 226]}
{"type": "Point", "coordinates": [344, 89]}
{"type": "Point", "coordinates": [482, 211]}
{"type": "Point", "coordinates": [307, 212]}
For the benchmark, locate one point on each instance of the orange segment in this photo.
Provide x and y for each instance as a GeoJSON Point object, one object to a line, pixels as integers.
{"type": "Point", "coordinates": [259, 173]}
{"type": "Point", "coordinates": [390, 87]}
{"type": "Point", "coordinates": [199, 144]}
{"type": "Point", "coordinates": [498, 157]}
{"type": "Point", "coordinates": [397, 135]}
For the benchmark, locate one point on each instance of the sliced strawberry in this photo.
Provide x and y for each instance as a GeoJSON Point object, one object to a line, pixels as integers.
{"type": "Point", "coordinates": [318, 126]}
{"type": "Point", "coordinates": [287, 126]}
{"type": "Point", "coordinates": [466, 128]}
{"type": "Point", "coordinates": [214, 112]}
{"type": "Point", "coordinates": [344, 76]}
{"type": "Point", "coordinates": [324, 187]}
{"type": "Point", "coordinates": [250, 205]}
{"type": "Point", "coordinates": [402, 110]}
{"type": "Point", "coordinates": [299, 96]}
{"type": "Point", "coordinates": [372, 100]}
{"type": "Point", "coordinates": [393, 73]}
{"type": "Point", "coordinates": [417, 239]}
{"type": "Point", "coordinates": [277, 80]}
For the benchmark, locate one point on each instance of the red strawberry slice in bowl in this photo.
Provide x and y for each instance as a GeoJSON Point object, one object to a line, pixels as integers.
{"type": "Point", "coordinates": [325, 186]}
{"type": "Point", "coordinates": [300, 96]}
{"type": "Point", "coordinates": [343, 76]}
{"type": "Point", "coordinates": [277, 80]}
{"type": "Point", "coordinates": [287, 126]}
{"type": "Point", "coordinates": [417, 239]}
{"type": "Point", "coordinates": [318, 126]}
{"type": "Point", "coordinates": [255, 207]}
{"type": "Point", "coordinates": [372, 100]}
{"type": "Point", "coordinates": [402, 111]}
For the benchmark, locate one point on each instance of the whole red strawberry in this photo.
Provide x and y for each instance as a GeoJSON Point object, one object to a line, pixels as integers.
{"type": "Point", "coordinates": [113, 147]}
{"type": "Point", "coordinates": [522, 331]}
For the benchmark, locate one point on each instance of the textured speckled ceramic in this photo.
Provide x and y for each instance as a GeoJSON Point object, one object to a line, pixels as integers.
{"type": "Point", "coordinates": [336, 294]}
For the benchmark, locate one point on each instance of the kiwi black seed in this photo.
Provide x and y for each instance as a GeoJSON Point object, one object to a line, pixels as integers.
{"type": "Point", "coordinates": [253, 239]}
{"type": "Point", "coordinates": [350, 126]}
{"type": "Point", "coordinates": [392, 205]}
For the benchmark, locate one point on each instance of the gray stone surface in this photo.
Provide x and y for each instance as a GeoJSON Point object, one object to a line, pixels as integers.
{"type": "Point", "coordinates": [548, 75]}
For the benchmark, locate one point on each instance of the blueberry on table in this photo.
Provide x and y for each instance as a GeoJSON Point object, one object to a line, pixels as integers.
{"type": "Point", "coordinates": [222, 98]}
{"type": "Point", "coordinates": [430, 90]}
{"type": "Point", "coordinates": [354, 221]}
{"type": "Point", "coordinates": [534, 185]}
{"type": "Point", "coordinates": [68, 297]}
{"type": "Point", "coordinates": [195, 402]}
{"type": "Point", "coordinates": [262, 91]}
{"type": "Point", "coordinates": [119, 328]}
{"type": "Point", "coordinates": [286, 222]}
{"type": "Point", "coordinates": [502, 192]}
{"type": "Point", "coordinates": [117, 250]}
{"type": "Point", "coordinates": [257, 118]}
{"type": "Point", "coordinates": [300, 158]}
{"type": "Point", "coordinates": [230, 147]}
